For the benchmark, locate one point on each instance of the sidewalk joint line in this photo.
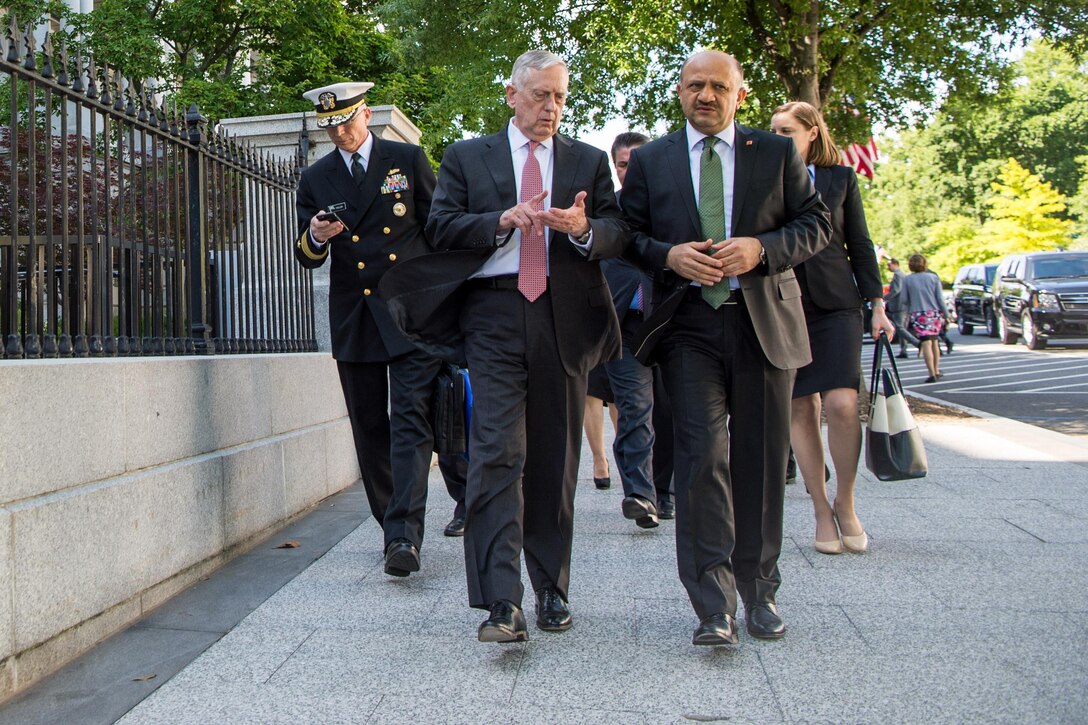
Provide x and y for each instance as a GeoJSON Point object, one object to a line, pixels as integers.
{"type": "Point", "coordinates": [285, 659]}
{"type": "Point", "coordinates": [1034, 536]}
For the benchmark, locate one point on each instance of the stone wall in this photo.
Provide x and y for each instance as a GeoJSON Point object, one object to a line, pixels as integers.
{"type": "Point", "coordinates": [124, 480]}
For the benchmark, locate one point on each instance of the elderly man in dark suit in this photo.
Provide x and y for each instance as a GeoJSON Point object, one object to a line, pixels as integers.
{"type": "Point", "coordinates": [367, 202]}
{"type": "Point", "coordinates": [721, 213]}
{"type": "Point", "coordinates": [524, 216]}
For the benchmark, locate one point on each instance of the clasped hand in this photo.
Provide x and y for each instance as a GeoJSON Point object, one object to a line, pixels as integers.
{"type": "Point", "coordinates": [525, 217]}
{"type": "Point", "coordinates": [727, 258]}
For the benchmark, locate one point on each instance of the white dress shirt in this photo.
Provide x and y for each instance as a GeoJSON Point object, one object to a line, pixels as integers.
{"type": "Point", "coordinates": [364, 159]}
{"type": "Point", "coordinates": [725, 148]}
{"type": "Point", "coordinates": [507, 259]}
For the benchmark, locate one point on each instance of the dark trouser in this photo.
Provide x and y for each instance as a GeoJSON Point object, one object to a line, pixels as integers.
{"type": "Point", "coordinates": [366, 390]}
{"type": "Point", "coordinates": [731, 415]}
{"type": "Point", "coordinates": [662, 421]}
{"type": "Point", "coordinates": [902, 330]}
{"type": "Point", "coordinates": [395, 454]}
{"type": "Point", "coordinates": [411, 395]}
{"type": "Point", "coordinates": [632, 384]}
{"type": "Point", "coordinates": [520, 496]}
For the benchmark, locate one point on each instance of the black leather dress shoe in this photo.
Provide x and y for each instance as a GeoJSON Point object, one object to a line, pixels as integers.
{"type": "Point", "coordinates": [456, 527]}
{"type": "Point", "coordinates": [602, 483]}
{"type": "Point", "coordinates": [666, 509]}
{"type": "Point", "coordinates": [506, 624]}
{"type": "Point", "coordinates": [401, 558]}
{"type": "Point", "coordinates": [642, 511]}
{"type": "Point", "coordinates": [716, 629]}
{"type": "Point", "coordinates": [762, 621]}
{"type": "Point", "coordinates": [552, 614]}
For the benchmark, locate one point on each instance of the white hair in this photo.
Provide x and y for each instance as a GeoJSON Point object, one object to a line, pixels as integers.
{"type": "Point", "coordinates": [532, 60]}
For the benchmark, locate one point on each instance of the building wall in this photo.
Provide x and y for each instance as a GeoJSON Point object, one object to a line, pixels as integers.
{"type": "Point", "coordinates": [124, 480]}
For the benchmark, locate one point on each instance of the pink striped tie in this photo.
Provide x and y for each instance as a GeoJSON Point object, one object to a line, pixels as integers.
{"type": "Point", "coordinates": [533, 266]}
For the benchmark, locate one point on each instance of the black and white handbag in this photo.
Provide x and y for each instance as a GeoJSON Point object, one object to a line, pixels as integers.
{"type": "Point", "coordinates": [894, 450]}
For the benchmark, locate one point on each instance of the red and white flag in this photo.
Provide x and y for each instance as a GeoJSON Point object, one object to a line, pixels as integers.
{"type": "Point", "coordinates": [861, 158]}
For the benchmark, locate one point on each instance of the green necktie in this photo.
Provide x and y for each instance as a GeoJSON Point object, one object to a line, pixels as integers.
{"type": "Point", "coordinates": [712, 213]}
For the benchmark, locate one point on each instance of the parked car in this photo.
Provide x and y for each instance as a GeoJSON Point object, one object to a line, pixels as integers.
{"type": "Point", "coordinates": [1041, 296]}
{"type": "Point", "coordinates": [973, 298]}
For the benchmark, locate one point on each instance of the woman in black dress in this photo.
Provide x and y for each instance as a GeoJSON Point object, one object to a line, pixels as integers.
{"type": "Point", "coordinates": [834, 285]}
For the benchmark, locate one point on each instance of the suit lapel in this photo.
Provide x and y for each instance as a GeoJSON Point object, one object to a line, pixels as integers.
{"type": "Point", "coordinates": [680, 163]}
{"type": "Point", "coordinates": [376, 169]}
{"type": "Point", "coordinates": [823, 181]}
{"type": "Point", "coordinates": [500, 162]}
{"type": "Point", "coordinates": [744, 159]}
{"type": "Point", "coordinates": [340, 179]}
{"type": "Point", "coordinates": [565, 158]}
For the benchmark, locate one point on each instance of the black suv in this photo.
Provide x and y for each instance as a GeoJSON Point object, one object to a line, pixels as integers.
{"type": "Point", "coordinates": [973, 299]}
{"type": "Point", "coordinates": [1041, 296]}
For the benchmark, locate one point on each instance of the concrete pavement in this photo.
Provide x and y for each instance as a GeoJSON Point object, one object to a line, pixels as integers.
{"type": "Point", "coordinates": [972, 606]}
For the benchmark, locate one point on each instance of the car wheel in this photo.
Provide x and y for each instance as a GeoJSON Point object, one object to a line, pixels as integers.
{"type": "Point", "coordinates": [963, 327]}
{"type": "Point", "coordinates": [991, 324]}
{"type": "Point", "coordinates": [1007, 337]}
{"type": "Point", "coordinates": [1031, 337]}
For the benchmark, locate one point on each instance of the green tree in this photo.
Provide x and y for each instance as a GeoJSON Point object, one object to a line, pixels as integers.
{"type": "Point", "coordinates": [1036, 115]}
{"type": "Point", "coordinates": [1024, 215]}
{"type": "Point", "coordinates": [859, 60]}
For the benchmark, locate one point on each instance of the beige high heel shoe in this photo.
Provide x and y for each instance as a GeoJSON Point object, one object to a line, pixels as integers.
{"type": "Point", "coordinates": [829, 547]}
{"type": "Point", "coordinates": [854, 544]}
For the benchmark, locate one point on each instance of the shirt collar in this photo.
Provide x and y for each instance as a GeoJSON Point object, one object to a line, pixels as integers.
{"type": "Point", "coordinates": [363, 151]}
{"type": "Point", "coordinates": [727, 135]}
{"type": "Point", "coordinates": [518, 139]}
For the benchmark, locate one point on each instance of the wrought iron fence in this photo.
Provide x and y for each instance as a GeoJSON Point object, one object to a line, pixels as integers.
{"type": "Point", "coordinates": [127, 228]}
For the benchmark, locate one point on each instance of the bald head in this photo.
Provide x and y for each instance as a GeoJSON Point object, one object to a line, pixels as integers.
{"type": "Point", "coordinates": [711, 88]}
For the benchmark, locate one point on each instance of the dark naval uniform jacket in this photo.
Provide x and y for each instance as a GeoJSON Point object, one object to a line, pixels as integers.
{"type": "Point", "coordinates": [384, 223]}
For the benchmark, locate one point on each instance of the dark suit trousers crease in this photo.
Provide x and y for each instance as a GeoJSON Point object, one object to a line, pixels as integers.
{"type": "Point", "coordinates": [663, 443]}
{"type": "Point", "coordinates": [730, 483]}
{"type": "Point", "coordinates": [411, 395]}
{"type": "Point", "coordinates": [525, 441]}
{"type": "Point", "coordinates": [365, 387]}
{"type": "Point", "coordinates": [632, 385]}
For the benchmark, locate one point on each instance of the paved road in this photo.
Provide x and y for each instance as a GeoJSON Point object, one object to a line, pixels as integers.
{"type": "Point", "coordinates": [1048, 388]}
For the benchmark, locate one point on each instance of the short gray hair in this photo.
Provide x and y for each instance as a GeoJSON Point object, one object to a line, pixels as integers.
{"type": "Point", "coordinates": [532, 60]}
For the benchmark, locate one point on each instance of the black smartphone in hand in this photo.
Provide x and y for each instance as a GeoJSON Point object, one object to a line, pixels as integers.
{"type": "Point", "coordinates": [328, 216]}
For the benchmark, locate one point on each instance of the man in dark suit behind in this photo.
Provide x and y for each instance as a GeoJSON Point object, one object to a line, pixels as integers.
{"type": "Point", "coordinates": [535, 316]}
{"type": "Point", "coordinates": [721, 213]}
{"type": "Point", "coordinates": [367, 201]}
{"type": "Point", "coordinates": [643, 443]}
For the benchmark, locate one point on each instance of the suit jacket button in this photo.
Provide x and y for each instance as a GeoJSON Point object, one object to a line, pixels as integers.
{"type": "Point", "coordinates": [361, 265]}
{"type": "Point", "coordinates": [392, 258]}
{"type": "Point", "coordinates": [354, 237]}
{"type": "Point", "coordinates": [386, 230]}
{"type": "Point", "coordinates": [366, 292]}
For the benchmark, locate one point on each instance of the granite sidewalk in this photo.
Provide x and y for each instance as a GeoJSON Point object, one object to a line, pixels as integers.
{"type": "Point", "coordinates": [972, 606]}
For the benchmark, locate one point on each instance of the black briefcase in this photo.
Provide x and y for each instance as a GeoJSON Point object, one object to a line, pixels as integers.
{"type": "Point", "coordinates": [450, 410]}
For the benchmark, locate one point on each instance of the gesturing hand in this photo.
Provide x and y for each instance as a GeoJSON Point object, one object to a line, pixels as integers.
{"type": "Point", "coordinates": [572, 221]}
{"type": "Point", "coordinates": [737, 255]}
{"type": "Point", "coordinates": [690, 261]}
{"type": "Point", "coordinates": [523, 216]}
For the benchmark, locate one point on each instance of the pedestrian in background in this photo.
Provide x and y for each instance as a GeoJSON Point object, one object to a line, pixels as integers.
{"type": "Point", "coordinates": [897, 313]}
{"type": "Point", "coordinates": [643, 442]}
{"type": "Point", "coordinates": [834, 284]}
{"type": "Point", "coordinates": [923, 299]}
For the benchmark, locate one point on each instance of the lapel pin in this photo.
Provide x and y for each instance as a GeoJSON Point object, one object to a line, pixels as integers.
{"type": "Point", "coordinates": [747, 143]}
